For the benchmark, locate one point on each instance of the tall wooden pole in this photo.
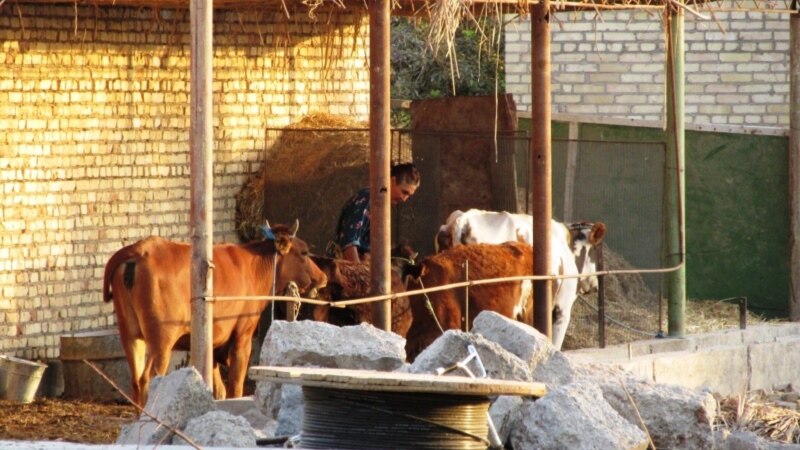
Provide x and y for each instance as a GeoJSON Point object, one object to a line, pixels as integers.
{"type": "Point", "coordinates": [541, 165]}
{"type": "Point", "coordinates": [675, 176]}
{"type": "Point", "coordinates": [201, 221]}
{"type": "Point", "coordinates": [794, 165]}
{"type": "Point", "coordinates": [379, 161]}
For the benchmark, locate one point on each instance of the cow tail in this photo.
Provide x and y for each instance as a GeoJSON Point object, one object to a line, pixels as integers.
{"type": "Point", "coordinates": [114, 262]}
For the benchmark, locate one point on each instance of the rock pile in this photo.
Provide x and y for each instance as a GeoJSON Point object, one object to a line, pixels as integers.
{"type": "Point", "coordinates": [587, 405]}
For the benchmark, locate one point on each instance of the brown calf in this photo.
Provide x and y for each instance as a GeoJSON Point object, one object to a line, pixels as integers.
{"type": "Point", "coordinates": [351, 280]}
{"type": "Point", "coordinates": [453, 309]}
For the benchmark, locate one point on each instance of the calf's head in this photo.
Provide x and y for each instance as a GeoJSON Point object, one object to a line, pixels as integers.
{"type": "Point", "coordinates": [443, 239]}
{"type": "Point", "coordinates": [294, 263]}
{"type": "Point", "coordinates": [584, 239]}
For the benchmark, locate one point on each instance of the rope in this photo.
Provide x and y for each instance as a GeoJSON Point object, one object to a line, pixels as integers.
{"type": "Point", "coordinates": [429, 306]}
{"type": "Point", "coordinates": [393, 296]}
{"type": "Point", "coordinates": [274, 281]}
{"type": "Point", "coordinates": [334, 418]}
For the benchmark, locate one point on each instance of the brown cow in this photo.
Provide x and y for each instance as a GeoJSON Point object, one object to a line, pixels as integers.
{"type": "Point", "coordinates": [511, 299]}
{"type": "Point", "coordinates": [149, 282]}
{"type": "Point", "coordinates": [349, 280]}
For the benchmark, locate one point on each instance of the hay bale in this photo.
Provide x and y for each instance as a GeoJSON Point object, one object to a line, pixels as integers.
{"type": "Point", "coordinates": [311, 168]}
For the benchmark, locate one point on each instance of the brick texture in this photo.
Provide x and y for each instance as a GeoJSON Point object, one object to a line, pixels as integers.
{"type": "Point", "coordinates": [614, 65]}
{"type": "Point", "coordinates": [94, 139]}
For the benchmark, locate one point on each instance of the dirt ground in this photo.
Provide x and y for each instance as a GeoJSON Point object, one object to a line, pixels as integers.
{"type": "Point", "coordinates": [49, 419]}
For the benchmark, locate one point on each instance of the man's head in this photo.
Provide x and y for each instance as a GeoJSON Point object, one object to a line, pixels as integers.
{"type": "Point", "coordinates": [405, 181]}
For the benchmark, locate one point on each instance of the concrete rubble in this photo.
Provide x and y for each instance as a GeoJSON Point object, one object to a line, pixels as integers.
{"type": "Point", "coordinates": [588, 405]}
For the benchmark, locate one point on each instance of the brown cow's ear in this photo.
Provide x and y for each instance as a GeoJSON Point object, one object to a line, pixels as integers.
{"type": "Point", "coordinates": [598, 233]}
{"type": "Point", "coordinates": [283, 243]}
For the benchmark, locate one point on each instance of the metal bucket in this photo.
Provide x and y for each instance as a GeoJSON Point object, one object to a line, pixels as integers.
{"type": "Point", "coordinates": [19, 378]}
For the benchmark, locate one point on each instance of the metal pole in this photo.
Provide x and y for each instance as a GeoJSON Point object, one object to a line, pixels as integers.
{"type": "Point", "coordinates": [541, 165]}
{"type": "Point", "coordinates": [601, 298]}
{"type": "Point", "coordinates": [380, 146]}
{"type": "Point", "coordinates": [742, 313]}
{"type": "Point", "coordinates": [675, 227]}
{"type": "Point", "coordinates": [794, 166]}
{"type": "Point", "coordinates": [201, 220]}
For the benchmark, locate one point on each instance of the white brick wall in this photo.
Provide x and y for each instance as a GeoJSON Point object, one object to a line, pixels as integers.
{"type": "Point", "coordinates": [613, 66]}
{"type": "Point", "coordinates": [94, 139]}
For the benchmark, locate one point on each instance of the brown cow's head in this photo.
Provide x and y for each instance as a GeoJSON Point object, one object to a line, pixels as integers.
{"type": "Point", "coordinates": [293, 260]}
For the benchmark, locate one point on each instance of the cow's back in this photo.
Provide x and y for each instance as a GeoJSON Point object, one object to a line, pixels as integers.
{"type": "Point", "coordinates": [142, 275]}
{"type": "Point", "coordinates": [484, 261]}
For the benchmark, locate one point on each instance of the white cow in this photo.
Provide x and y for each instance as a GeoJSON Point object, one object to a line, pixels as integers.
{"type": "Point", "coordinates": [571, 251]}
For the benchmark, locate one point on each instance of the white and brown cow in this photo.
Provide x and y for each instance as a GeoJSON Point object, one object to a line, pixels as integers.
{"type": "Point", "coordinates": [572, 251]}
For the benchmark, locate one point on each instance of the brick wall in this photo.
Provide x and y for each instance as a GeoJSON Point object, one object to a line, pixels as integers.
{"type": "Point", "coordinates": [612, 65]}
{"type": "Point", "coordinates": [94, 139]}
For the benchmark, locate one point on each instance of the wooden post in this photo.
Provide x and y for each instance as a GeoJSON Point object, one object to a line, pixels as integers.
{"type": "Point", "coordinates": [379, 161]}
{"type": "Point", "coordinates": [569, 176]}
{"type": "Point", "coordinates": [794, 166]}
{"type": "Point", "coordinates": [541, 164]}
{"type": "Point", "coordinates": [675, 184]}
{"type": "Point", "coordinates": [201, 220]}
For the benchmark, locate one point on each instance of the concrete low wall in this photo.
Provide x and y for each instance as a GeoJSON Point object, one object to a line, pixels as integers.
{"type": "Point", "coordinates": [728, 362]}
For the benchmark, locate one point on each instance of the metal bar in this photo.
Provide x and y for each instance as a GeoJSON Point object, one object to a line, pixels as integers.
{"type": "Point", "coordinates": [466, 296]}
{"type": "Point", "coordinates": [742, 313]}
{"type": "Point", "coordinates": [601, 299]}
{"type": "Point", "coordinates": [380, 157]}
{"type": "Point", "coordinates": [541, 165]}
{"type": "Point", "coordinates": [201, 158]}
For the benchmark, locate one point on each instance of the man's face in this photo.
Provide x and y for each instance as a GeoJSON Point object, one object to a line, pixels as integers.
{"type": "Point", "coordinates": [401, 192]}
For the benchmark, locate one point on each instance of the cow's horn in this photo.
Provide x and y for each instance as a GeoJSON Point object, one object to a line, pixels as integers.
{"type": "Point", "coordinates": [266, 223]}
{"type": "Point", "coordinates": [295, 227]}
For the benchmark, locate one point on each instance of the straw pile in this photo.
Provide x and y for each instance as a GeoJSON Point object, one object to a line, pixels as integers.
{"type": "Point", "coordinates": [772, 415]}
{"type": "Point", "coordinates": [311, 168]}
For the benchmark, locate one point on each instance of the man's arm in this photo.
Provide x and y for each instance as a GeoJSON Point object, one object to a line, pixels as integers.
{"type": "Point", "coordinates": [350, 253]}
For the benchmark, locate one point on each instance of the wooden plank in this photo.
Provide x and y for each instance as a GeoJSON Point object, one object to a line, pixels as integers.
{"type": "Point", "coordinates": [572, 165]}
{"type": "Point", "coordinates": [632, 122]}
{"type": "Point", "coordinates": [369, 380]}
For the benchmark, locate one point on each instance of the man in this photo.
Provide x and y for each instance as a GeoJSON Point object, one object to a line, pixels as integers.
{"type": "Point", "coordinates": [352, 231]}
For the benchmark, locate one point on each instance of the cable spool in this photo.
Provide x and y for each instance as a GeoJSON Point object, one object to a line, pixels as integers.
{"type": "Point", "coordinates": [355, 419]}
{"type": "Point", "coordinates": [367, 409]}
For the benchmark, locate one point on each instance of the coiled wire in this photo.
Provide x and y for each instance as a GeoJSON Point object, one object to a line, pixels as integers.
{"type": "Point", "coordinates": [345, 419]}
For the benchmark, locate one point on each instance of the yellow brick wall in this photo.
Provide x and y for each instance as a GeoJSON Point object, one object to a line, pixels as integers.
{"type": "Point", "coordinates": [94, 139]}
